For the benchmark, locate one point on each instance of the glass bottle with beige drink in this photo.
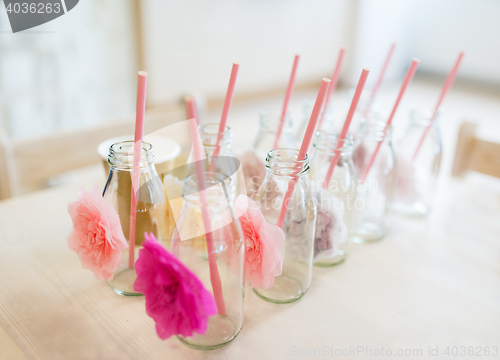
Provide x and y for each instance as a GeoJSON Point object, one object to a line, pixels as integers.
{"type": "Point", "coordinates": [151, 209]}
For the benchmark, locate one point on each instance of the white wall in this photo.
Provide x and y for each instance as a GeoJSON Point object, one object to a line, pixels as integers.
{"type": "Point", "coordinates": [75, 71]}
{"type": "Point", "coordinates": [434, 31]}
{"type": "Point", "coordinates": [79, 70]}
{"type": "Point", "coordinates": [443, 28]}
{"type": "Point", "coordinates": [191, 44]}
{"type": "Point", "coordinates": [380, 23]}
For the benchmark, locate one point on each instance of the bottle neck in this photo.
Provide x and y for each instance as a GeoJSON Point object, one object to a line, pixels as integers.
{"type": "Point", "coordinates": [210, 133]}
{"type": "Point", "coordinates": [422, 117]}
{"type": "Point", "coordinates": [218, 189]}
{"type": "Point", "coordinates": [329, 143]}
{"type": "Point", "coordinates": [366, 103]}
{"type": "Point", "coordinates": [121, 155]}
{"type": "Point", "coordinates": [376, 131]}
{"type": "Point", "coordinates": [270, 122]}
{"type": "Point", "coordinates": [283, 162]}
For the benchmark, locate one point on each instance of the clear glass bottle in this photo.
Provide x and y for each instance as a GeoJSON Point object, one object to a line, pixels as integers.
{"type": "Point", "coordinates": [417, 178]}
{"type": "Point", "coordinates": [342, 185]}
{"type": "Point", "coordinates": [269, 123]}
{"type": "Point", "coordinates": [299, 223]}
{"type": "Point", "coordinates": [151, 210]}
{"type": "Point", "coordinates": [189, 245]}
{"type": "Point", "coordinates": [374, 195]}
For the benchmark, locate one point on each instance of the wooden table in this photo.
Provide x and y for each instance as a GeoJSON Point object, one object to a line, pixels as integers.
{"type": "Point", "coordinates": [432, 283]}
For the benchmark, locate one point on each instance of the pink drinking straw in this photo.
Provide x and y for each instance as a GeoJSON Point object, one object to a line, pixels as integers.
{"type": "Point", "coordinates": [447, 85]}
{"type": "Point", "coordinates": [191, 110]}
{"type": "Point", "coordinates": [136, 174]}
{"type": "Point", "coordinates": [288, 95]}
{"type": "Point", "coordinates": [379, 80]}
{"type": "Point", "coordinates": [409, 76]}
{"type": "Point", "coordinates": [200, 175]}
{"type": "Point", "coordinates": [347, 123]}
{"type": "Point", "coordinates": [306, 141]}
{"type": "Point", "coordinates": [332, 87]}
{"type": "Point", "coordinates": [227, 105]}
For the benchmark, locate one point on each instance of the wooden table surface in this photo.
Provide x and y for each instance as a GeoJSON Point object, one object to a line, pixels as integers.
{"type": "Point", "coordinates": [431, 284]}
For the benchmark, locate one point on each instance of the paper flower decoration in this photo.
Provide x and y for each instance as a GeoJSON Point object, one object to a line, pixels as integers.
{"type": "Point", "coordinates": [331, 230]}
{"type": "Point", "coordinates": [97, 235]}
{"type": "Point", "coordinates": [263, 241]}
{"type": "Point", "coordinates": [175, 297]}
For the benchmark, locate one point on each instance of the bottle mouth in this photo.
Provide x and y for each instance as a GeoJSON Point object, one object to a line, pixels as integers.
{"type": "Point", "coordinates": [422, 116]}
{"type": "Point", "coordinates": [283, 162]}
{"type": "Point", "coordinates": [217, 186]}
{"type": "Point", "coordinates": [270, 121]}
{"type": "Point", "coordinates": [365, 100]}
{"type": "Point", "coordinates": [376, 129]}
{"type": "Point", "coordinates": [121, 154]}
{"type": "Point", "coordinates": [210, 132]}
{"type": "Point", "coordinates": [328, 141]}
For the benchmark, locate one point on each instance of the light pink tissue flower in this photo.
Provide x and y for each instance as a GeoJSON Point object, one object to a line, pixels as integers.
{"type": "Point", "coordinates": [175, 297]}
{"type": "Point", "coordinates": [263, 258]}
{"type": "Point", "coordinates": [97, 235]}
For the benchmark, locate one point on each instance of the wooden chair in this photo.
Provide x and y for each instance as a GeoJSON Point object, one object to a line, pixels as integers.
{"type": "Point", "coordinates": [27, 165]}
{"type": "Point", "coordinates": [473, 154]}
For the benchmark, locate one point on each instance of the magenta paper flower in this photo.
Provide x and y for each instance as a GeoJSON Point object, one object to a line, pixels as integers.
{"type": "Point", "coordinates": [263, 258]}
{"type": "Point", "coordinates": [175, 297]}
{"type": "Point", "coordinates": [97, 235]}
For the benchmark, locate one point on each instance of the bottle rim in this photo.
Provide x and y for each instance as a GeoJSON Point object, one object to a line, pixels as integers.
{"type": "Point", "coordinates": [283, 162]}
{"type": "Point", "coordinates": [121, 154]}
{"type": "Point", "coordinates": [209, 133]}
{"type": "Point", "coordinates": [327, 141]}
{"type": "Point", "coordinates": [422, 116]}
{"type": "Point", "coordinates": [270, 121]}
{"type": "Point", "coordinates": [190, 191]}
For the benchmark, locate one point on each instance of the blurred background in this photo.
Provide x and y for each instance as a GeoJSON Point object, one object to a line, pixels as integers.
{"type": "Point", "coordinates": [79, 71]}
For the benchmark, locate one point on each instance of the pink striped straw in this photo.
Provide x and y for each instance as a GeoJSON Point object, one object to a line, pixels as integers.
{"type": "Point", "coordinates": [347, 123]}
{"type": "Point", "coordinates": [191, 110]}
{"type": "Point", "coordinates": [409, 76]}
{"type": "Point", "coordinates": [332, 87]}
{"type": "Point", "coordinates": [379, 80]}
{"type": "Point", "coordinates": [446, 87]}
{"type": "Point", "coordinates": [142, 79]}
{"type": "Point", "coordinates": [288, 95]}
{"type": "Point", "coordinates": [227, 105]}
{"type": "Point", "coordinates": [306, 141]}
{"type": "Point", "coordinates": [205, 214]}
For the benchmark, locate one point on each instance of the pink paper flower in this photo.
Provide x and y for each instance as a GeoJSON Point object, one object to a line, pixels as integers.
{"type": "Point", "coordinates": [263, 259]}
{"type": "Point", "coordinates": [175, 297]}
{"type": "Point", "coordinates": [97, 235]}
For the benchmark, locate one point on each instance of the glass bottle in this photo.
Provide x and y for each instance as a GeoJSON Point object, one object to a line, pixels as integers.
{"type": "Point", "coordinates": [342, 184]}
{"type": "Point", "coordinates": [417, 178]}
{"type": "Point", "coordinates": [151, 210]}
{"type": "Point", "coordinates": [375, 193]}
{"type": "Point", "coordinates": [299, 223]}
{"type": "Point", "coordinates": [189, 245]}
